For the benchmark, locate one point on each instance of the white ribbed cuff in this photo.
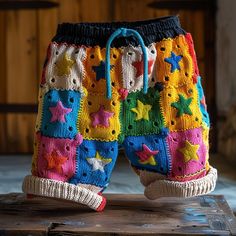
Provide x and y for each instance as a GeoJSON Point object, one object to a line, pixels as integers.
{"type": "Point", "coordinates": [58, 189]}
{"type": "Point", "coordinates": [168, 188]}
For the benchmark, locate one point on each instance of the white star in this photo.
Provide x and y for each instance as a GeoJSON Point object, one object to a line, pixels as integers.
{"type": "Point", "coordinates": [98, 162]}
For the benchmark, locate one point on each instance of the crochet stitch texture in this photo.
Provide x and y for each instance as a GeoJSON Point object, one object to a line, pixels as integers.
{"type": "Point", "coordinates": [164, 133]}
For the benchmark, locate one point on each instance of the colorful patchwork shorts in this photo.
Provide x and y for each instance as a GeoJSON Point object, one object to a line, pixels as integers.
{"type": "Point", "coordinates": [134, 85]}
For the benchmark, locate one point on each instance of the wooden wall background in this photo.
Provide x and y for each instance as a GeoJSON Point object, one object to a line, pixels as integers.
{"type": "Point", "coordinates": [24, 37]}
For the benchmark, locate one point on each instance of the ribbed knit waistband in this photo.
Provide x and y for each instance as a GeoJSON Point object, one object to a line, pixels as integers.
{"type": "Point", "coordinates": [92, 34]}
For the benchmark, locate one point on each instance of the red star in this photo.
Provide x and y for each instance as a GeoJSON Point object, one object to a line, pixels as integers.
{"type": "Point", "coordinates": [146, 153]}
{"type": "Point", "coordinates": [55, 161]}
{"type": "Point", "coordinates": [139, 67]}
{"type": "Point", "coordinates": [203, 102]}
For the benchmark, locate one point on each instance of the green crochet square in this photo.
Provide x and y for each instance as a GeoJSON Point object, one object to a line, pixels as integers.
{"type": "Point", "coordinates": [141, 114]}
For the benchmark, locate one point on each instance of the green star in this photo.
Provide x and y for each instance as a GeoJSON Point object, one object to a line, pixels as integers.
{"type": "Point", "coordinates": [182, 105]}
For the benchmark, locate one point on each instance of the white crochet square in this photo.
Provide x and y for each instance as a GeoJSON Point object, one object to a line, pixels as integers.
{"type": "Point", "coordinates": [133, 77]}
{"type": "Point", "coordinates": [67, 74]}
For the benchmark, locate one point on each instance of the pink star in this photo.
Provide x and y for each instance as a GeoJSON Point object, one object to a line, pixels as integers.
{"type": "Point", "coordinates": [146, 153]}
{"type": "Point", "coordinates": [203, 102]}
{"type": "Point", "coordinates": [59, 112]}
{"type": "Point", "coordinates": [101, 117]}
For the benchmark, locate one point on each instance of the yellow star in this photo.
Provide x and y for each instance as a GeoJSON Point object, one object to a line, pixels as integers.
{"type": "Point", "coordinates": [64, 65]}
{"type": "Point", "coordinates": [150, 160]}
{"type": "Point", "coordinates": [142, 111]}
{"type": "Point", "coordinates": [189, 151]}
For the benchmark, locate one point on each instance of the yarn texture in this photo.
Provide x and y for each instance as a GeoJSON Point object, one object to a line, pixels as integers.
{"type": "Point", "coordinates": [164, 132]}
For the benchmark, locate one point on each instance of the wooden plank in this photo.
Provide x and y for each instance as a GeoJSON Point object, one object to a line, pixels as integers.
{"type": "Point", "coordinates": [101, 11]}
{"type": "Point", "coordinates": [47, 21]}
{"type": "Point", "coordinates": [135, 10]}
{"type": "Point", "coordinates": [124, 215]}
{"type": "Point", "coordinates": [22, 86]}
{"type": "Point", "coordinates": [68, 11]}
{"type": "Point", "coordinates": [3, 133]}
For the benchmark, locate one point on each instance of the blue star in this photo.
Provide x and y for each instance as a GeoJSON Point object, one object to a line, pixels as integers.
{"type": "Point", "coordinates": [100, 70]}
{"type": "Point", "coordinates": [174, 61]}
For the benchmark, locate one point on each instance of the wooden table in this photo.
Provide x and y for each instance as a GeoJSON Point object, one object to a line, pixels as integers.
{"type": "Point", "coordinates": [124, 215]}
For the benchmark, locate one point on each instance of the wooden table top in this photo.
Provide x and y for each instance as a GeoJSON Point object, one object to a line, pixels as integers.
{"type": "Point", "coordinates": [124, 215]}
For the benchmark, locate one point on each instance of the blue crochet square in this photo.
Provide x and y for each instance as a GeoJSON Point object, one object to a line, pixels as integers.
{"type": "Point", "coordinates": [94, 162]}
{"type": "Point", "coordinates": [60, 113]}
{"type": "Point", "coordinates": [201, 101]}
{"type": "Point", "coordinates": [149, 152]}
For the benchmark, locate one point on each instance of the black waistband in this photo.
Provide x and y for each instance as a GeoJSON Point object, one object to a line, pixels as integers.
{"type": "Point", "coordinates": [92, 34]}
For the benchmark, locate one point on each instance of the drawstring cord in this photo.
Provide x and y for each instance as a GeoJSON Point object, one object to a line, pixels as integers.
{"type": "Point", "coordinates": [123, 32]}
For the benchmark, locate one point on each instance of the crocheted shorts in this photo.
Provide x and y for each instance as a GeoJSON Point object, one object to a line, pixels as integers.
{"type": "Point", "coordinates": [135, 85]}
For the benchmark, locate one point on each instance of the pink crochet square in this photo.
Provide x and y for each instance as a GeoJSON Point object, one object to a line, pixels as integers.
{"type": "Point", "coordinates": [56, 157]}
{"type": "Point", "coordinates": [186, 167]}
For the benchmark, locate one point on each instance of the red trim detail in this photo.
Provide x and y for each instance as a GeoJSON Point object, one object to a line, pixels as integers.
{"type": "Point", "coordinates": [189, 41]}
{"type": "Point", "coordinates": [102, 205]}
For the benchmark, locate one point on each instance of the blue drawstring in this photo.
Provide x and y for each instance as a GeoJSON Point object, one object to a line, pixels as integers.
{"type": "Point", "coordinates": [123, 32]}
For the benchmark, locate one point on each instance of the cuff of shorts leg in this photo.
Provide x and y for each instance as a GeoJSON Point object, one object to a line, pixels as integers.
{"type": "Point", "coordinates": [167, 188]}
{"type": "Point", "coordinates": [61, 190]}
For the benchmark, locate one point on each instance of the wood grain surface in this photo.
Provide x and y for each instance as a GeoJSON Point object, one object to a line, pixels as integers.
{"type": "Point", "coordinates": [123, 215]}
{"type": "Point", "coordinates": [25, 35]}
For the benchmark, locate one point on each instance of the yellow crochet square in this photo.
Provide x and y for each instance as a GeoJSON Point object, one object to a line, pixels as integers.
{"type": "Point", "coordinates": [179, 47]}
{"type": "Point", "coordinates": [91, 122]}
{"type": "Point", "coordinates": [205, 138]}
{"type": "Point", "coordinates": [180, 108]}
{"type": "Point", "coordinates": [94, 79]}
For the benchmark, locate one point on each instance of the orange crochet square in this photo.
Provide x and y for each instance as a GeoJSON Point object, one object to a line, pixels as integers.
{"type": "Point", "coordinates": [99, 117]}
{"type": "Point", "coordinates": [179, 47]}
{"type": "Point", "coordinates": [174, 119]}
{"type": "Point", "coordinates": [94, 79]}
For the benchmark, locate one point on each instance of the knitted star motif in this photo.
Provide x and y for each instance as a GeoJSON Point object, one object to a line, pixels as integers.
{"type": "Point", "coordinates": [139, 67]}
{"type": "Point", "coordinates": [98, 162]}
{"type": "Point", "coordinates": [101, 117]}
{"type": "Point", "coordinates": [64, 65]}
{"type": "Point", "coordinates": [182, 105]}
{"type": "Point", "coordinates": [100, 70]}
{"type": "Point", "coordinates": [55, 161]}
{"type": "Point", "coordinates": [173, 60]}
{"type": "Point", "coordinates": [59, 112]}
{"type": "Point", "coordinates": [142, 111]}
{"type": "Point", "coordinates": [189, 151]}
{"type": "Point", "coordinates": [146, 155]}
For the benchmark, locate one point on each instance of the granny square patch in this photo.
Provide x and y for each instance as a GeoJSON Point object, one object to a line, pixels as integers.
{"type": "Point", "coordinates": [99, 117]}
{"type": "Point", "coordinates": [64, 68]}
{"type": "Point", "coordinates": [174, 62]}
{"type": "Point", "coordinates": [56, 157]}
{"type": "Point", "coordinates": [148, 152]}
{"type": "Point", "coordinates": [60, 113]}
{"type": "Point", "coordinates": [180, 107]}
{"type": "Point", "coordinates": [95, 69]}
{"type": "Point", "coordinates": [94, 162]}
{"type": "Point", "coordinates": [188, 154]}
{"type": "Point", "coordinates": [132, 67]}
{"type": "Point", "coordinates": [141, 113]}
